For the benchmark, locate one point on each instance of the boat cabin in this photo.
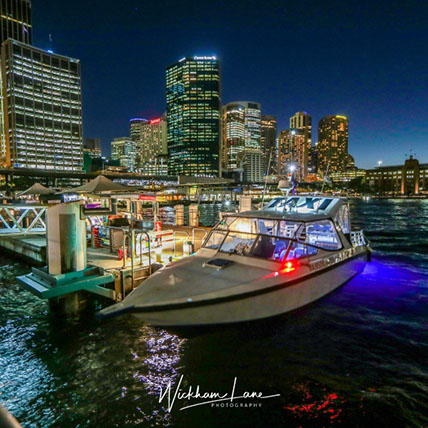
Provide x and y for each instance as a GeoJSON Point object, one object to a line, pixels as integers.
{"type": "Point", "coordinates": [286, 229]}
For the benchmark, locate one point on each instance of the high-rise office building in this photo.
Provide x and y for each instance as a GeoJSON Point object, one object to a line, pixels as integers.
{"type": "Point", "coordinates": [313, 159]}
{"type": "Point", "coordinates": [233, 134]}
{"type": "Point", "coordinates": [252, 124]}
{"type": "Point", "coordinates": [193, 116]}
{"type": "Point", "coordinates": [15, 20]}
{"type": "Point", "coordinates": [241, 131]}
{"type": "Point", "coordinates": [332, 148]}
{"type": "Point", "coordinates": [41, 109]}
{"type": "Point", "coordinates": [92, 146]}
{"type": "Point", "coordinates": [135, 125]}
{"type": "Point", "coordinates": [153, 140]}
{"type": "Point", "coordinates": [251, 164]}
{"type": "Point", "coordinates": [302, 120]}
{"type": "Point", "coordinates": [293, 153]}
{"type": "Point", "coordinates": [124, 150]}
{"type": "Point", "coordinates": [268, 142]}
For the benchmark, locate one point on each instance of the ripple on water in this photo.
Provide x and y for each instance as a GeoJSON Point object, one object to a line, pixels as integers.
{"type": "Point", "coordinates": [356, 358]}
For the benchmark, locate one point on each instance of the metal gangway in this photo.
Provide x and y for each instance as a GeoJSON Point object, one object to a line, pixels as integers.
{"type": "Point", "coordinates": [22, 219]}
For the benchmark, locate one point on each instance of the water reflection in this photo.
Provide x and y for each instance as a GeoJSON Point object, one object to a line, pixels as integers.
{"type": "Point", "coordinates": [355, 358]}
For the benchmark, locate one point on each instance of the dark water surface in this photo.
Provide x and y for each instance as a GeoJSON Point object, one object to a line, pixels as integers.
{"type": "Point", "coordinates": [357, 358]}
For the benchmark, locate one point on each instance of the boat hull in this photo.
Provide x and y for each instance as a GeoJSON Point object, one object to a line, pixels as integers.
{"type": "Point", "coordinates": [283, 298]}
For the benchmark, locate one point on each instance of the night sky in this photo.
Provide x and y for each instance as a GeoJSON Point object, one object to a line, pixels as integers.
{"type": "Point", "coordinates": [367, 60]}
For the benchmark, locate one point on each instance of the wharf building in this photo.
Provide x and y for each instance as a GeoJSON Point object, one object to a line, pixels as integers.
{"type": "Point", "coordinates": [193, 116]}
{"type": "Point", "coordinates": [408, 179]}
{"type": "Point", "coordinates": [332, 148]}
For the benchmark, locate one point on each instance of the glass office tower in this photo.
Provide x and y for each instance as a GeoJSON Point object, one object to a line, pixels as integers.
{"type": "Point", "coordinates": [332, 145]}
{"type": "Point", "coordinates": [42, 109]}
{"type": "Point", "coordinates": [193, 116]}
{"type": "Point", "coordinates": [15, 20]}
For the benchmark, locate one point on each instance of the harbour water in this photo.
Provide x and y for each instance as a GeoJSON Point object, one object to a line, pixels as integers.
{"type": "Point", "coordinates": [356, 358]}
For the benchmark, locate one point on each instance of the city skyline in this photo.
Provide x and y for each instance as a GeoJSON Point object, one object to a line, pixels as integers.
{"type": "Point", "coordinates": [365, 62]}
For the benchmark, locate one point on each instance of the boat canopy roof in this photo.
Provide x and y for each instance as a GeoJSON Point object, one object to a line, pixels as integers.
{"type": "Point", "coordinates": [297, 208]}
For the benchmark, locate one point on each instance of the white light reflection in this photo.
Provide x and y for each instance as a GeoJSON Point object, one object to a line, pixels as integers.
{"type": "Point", "coordinates": [160, 363]}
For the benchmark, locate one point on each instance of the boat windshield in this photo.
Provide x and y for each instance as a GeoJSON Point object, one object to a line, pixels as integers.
{"type": "Point", "coordinates": [275, 240]}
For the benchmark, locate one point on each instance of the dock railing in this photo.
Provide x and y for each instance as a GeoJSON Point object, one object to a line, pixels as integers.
{"type": "Point", "coordinates": [194, 237]}
{"type": "Point", "coordinates": [22, 219]}
{"type": "Point", "coordinates": [175, 240]}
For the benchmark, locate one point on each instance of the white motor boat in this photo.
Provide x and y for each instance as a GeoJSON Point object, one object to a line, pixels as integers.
{"type": "Point", "coordinates": [255, 265]}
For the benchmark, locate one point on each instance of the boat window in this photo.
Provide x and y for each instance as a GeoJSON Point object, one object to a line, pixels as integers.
{"type": "Point", "coordinates": [225, 223]}
{"type": "Point", "coordinates": [298, 250]}
{"type": "Point", "coordinates": [238, 243]}
{"type": "Point", "coordinates": [270, 248]}
{"type": "Point", "coordinates": [244, 225]}
{"type": "Point", "coordinates": [214, 240]}
{"type": "Point", "coordinates": [287, 229]}
{"type": "Point", "coordinates": [322, 234]}
{"type": "Point", "coordinates": [342, 218]}
{"type": "Point", "coordinates": [267, 227]}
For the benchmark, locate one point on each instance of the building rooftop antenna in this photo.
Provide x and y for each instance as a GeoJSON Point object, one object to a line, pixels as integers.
{"type": "Point", "coordinates": [50, 46]}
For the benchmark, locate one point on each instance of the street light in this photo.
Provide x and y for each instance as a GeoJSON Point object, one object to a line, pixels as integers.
{"type": "Point", "coordinates": [379, 163]}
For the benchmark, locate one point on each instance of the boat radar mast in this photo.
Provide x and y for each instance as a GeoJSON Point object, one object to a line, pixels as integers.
{"type": "Point", "coordinates": [286, 187]}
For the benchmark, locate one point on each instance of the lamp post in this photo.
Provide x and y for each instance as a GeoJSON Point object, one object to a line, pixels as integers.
{"type": "Point", "coordinates": [292, 168]}
{"type": "Point", "coordinates": [56, 157]}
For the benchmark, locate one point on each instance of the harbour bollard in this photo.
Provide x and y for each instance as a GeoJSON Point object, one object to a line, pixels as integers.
{"type": "Point", "coordinates": [193, 215]}
{"type": "Point", "coordinates": [66, 252]}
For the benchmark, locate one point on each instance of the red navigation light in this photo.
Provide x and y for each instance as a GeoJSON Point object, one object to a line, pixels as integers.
{"type": "Point", "coordinates": [155, 121]}
{"type": "Point", "coordinates": [285, 268]}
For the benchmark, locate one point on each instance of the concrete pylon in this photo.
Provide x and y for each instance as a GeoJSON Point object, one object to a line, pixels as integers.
{"type": "Point", "coordinates": [66, 239]}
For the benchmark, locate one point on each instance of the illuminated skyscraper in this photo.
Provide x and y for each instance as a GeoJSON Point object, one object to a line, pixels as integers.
{"type": "Point", "coordinates": [135, 127]}
{"type": "Point", "coordinates": [268, 142]}
{"type": "Point", "coordinates": [41, 109]}
{"type": "Point", "coordinates": [332, 145]}
{"type": "Point", "coordinates": [124, 150]}
{"type": "Point", "coordinates": [233, 134]}
{"type": "Point", "coordinates": [15, 20]}
{"type": "Point", "coordinates": [251, 163]}
{"type": "Point", "coordinates": [293, 151]}
{"type": "Point", "coordinates": [241, 130]}
{"type": "Point", "coordinates": [193, 116]}
{"type": "Point", "coordinates": [92, 146]}
{"type": "Point", "coordinates": [303, 121]}
{"type": "Point", "coordinates": [153, 140]}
